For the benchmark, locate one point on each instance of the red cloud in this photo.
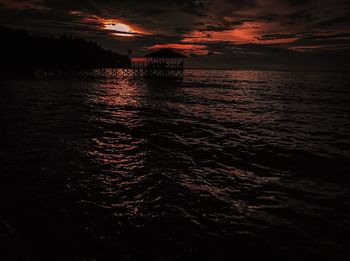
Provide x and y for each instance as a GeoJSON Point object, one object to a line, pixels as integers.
{"type": "Point", "coordinates": [185, 48]}
{"type": "Point", "coordinates": [248, 32]}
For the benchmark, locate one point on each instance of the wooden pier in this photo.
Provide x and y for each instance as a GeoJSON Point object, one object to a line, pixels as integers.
{"type": "Point", "coordinates": [164, 63]}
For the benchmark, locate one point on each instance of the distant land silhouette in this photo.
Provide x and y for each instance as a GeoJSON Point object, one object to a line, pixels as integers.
{"type": "Point", "coordinates": [22, 52]}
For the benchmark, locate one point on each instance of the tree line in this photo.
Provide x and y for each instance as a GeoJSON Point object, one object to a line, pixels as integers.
{"type": "Point", "coordinates": [22, 52]}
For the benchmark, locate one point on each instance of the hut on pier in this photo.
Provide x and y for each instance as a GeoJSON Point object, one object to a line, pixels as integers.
{"type": "Point", "coordinates": [165, 63]}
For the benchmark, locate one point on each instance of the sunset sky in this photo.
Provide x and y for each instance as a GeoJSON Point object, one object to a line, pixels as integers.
{"type": "Point", "coordinates": [247, 34]}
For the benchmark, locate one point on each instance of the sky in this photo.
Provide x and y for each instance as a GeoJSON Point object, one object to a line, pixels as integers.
{"type": "Point", "coordinates": [224, 34]}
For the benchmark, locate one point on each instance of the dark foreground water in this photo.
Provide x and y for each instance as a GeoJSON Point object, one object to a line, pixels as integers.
{"type": "Point", "coordinates": [228, 165]}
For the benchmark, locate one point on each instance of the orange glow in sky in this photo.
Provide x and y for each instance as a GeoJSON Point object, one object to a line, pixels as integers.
{"type": "Point", "coordinates": [185, 48]}
{"type": "Point", "coordinates": [249, 32]}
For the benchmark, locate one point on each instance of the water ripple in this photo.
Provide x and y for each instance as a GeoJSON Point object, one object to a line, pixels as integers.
{"type": "Point", "coordinates": [226, 164]}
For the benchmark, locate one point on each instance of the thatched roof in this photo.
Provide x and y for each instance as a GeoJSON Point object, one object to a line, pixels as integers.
{"type": "Point", "coordinates": [165, 53]}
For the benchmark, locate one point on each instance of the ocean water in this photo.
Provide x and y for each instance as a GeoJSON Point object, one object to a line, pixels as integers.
{"type": "Point", "coordinates": [226, 165]}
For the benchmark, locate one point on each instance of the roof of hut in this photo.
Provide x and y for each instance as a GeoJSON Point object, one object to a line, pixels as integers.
{"type": "Point", "coordinates": [165, 53]}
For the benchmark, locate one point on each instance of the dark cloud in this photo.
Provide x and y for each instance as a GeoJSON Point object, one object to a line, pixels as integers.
{"type": "Point", "coordinates": [336, 21]}
{"type": "Point", "coordinates": [298, 2]}
{"type": "Point", "coordinates": [276, 36]}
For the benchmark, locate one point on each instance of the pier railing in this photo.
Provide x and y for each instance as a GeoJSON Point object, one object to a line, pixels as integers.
{"type": "Point", "coordinates": [135, 70]}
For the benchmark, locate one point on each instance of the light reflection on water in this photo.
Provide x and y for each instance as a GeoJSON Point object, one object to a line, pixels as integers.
{"type": "Point", "coordinates": [225, 164]}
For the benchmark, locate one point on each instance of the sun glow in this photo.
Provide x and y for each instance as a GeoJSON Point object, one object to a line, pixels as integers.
{"type": "Point", "coordinates": [121, 29]}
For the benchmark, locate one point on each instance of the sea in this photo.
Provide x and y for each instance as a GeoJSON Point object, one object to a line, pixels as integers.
{"type": "Point", "coordinates": [222, 165]}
